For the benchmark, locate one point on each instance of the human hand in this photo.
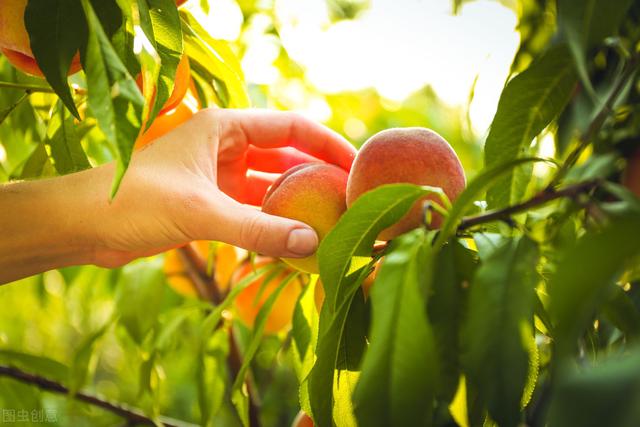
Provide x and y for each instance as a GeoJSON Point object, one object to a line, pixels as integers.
{"type": "Point", "coordinates": [196, 183]}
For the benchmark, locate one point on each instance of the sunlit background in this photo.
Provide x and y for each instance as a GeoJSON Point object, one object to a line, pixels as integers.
{"type": "Point", "coordinates": [361, 66]}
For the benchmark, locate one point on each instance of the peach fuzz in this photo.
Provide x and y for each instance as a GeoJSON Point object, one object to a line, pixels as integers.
{"type": "Point", "coordinates": [313, 193]}
{"type": "Point", "coordinates": [406, 155]}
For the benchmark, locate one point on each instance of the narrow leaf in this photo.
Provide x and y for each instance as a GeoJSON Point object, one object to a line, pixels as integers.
{"type": "Point", "coordinates": [527, 105]}
{"type": "Point", "coordinates": [114, 98]}
{"type": "Point", "coordinates": [586, 23]}
{"type": "Point", "coordinates": [66, 151]}
{"type": "Point", "coordinates": [399, 372]}
{"type": "Point", "coordinates": [498, 330]}
{"type": "Point", "coordinates": [576, 292]}
{"type": "Point", "coordinates": [56, 31]}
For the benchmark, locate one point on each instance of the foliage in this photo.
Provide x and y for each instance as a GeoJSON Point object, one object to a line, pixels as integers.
{"type": "Point", "coordinates": [523, 308]}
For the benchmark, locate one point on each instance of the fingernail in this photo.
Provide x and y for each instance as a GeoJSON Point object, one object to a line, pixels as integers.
{"type": "Point", "coordinates": [302, 241]}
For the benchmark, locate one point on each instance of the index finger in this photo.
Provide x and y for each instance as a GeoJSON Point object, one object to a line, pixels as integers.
{"type": "Point", "coordinates": [275, 129]}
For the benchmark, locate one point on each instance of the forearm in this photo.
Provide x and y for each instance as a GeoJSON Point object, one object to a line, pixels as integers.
{"type": "Point", "coordinates": [46, 224]}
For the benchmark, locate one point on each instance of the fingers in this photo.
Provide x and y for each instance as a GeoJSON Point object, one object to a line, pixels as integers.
{"type": "Point", "coordinates": [254, 230]}
{"type": "Point", "coordinates": [274, 129]}
{"type": "Point", "coordinates": [256, 187]}
{"type": "Point", "coordinates": [276, 160]}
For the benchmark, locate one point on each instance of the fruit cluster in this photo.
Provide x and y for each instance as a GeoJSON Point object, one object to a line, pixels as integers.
{"type": "Point", "coordinates": [318, 193]}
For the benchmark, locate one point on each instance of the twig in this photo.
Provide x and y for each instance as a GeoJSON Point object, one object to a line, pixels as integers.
{"type": "Point", "coordinates": [629, 69]}
{"type": "Point", "coordinates": [31, 88]}
{"type": "Point", "coordinates": [132, 415]}
{"type": "Point", "coordinates": [208, 291]}
{"type": "Point", "coordinates": [570, 191]}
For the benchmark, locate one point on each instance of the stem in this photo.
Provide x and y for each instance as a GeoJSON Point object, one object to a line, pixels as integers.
{"type": "Point", "coordinates": [208, 291]}
{"type": "Point", "coordinates": [570, 191]}
{"type": "Point", "coordinates": [598, 120]}
{"type": "Point", "coordinates": [132, 415]}
{"type": "Point", "coordinates": [31, 88]}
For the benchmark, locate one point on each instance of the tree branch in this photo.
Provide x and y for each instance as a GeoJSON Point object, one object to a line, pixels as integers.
{"type": "Point", "coordinates": [31, 88]}
{"type": "Point", "coordinates": [598, 120]}
{"type": "Point", "coordinates": [132, 415]}
{"type": "Point", "coordinates": [570, 191]}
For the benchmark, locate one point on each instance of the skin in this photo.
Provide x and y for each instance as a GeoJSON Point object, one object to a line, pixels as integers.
{"type": "Point", "coordinates": [631, 175]}
{"type": "Point", "coordinates": [193, 183]}
{"type": "Point", "coordinates": [249, 302]}
{"type": "Point", "coordinates": [409, 155]}
{"type": "Point", "coordinates": [14, 39]}
{"type": "Point", "coordinates": [311, 193]}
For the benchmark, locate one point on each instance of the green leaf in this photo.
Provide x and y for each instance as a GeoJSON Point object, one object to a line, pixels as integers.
{"type": "Point", "coordinates": [585, 24]}
{"type": "Point", "coordinates": [498, 331]}
{"type": "Point", "coordinates": [239, 395]}
{"type": "Point", "coordinates": [322, 383]}
{"type": "Point", "coordinates": [167, 33]}
{"type": "Point", "coordinates": [211, 321]}
{"type": "Point", "coordinates": [304, 329]}
{"type": "Point", "coordinates": [527, 105]}
{"type": "Point", "coordinates": [66, 151]}
{"type": "Point", "coordinates": [4, 113]}
{"type": "Point", "coordinates": [350, 354]}
{"type": "Point", "coordinates": [454, 266]}
{"type": "Point", "coordinates": [216, 60]}
{"type": "Point", "coordinates": [35, 164]}
{"type": "Point", "coordinates": [356, 231]}
{"type": "Point", "coordinates": [141, 284]}
{"type": "Point", "coordinates": [608, 394]}
{"type": "Point", "coordinates": [114, 98]}
{"type": "Point", "coordinates": [212, 374]}
{"type": "Point", "coordinates": [56, 31]}
{"type": "Point", "coordinates": [342, 254]}
{"type": "Point", "coordinates": [83, 359]}
{"type": "Point", "coordinates": [32, 363]}
{"type": "Point", "coordinates": [587, 269]}
{"type": "Point", "coordinates": [622, 313]}
{"type": "Point", "coordinates": [399, 372]}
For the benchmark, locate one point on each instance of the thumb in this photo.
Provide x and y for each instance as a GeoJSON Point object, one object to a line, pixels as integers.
{"type": "Point", "coordinates": [249, 228]}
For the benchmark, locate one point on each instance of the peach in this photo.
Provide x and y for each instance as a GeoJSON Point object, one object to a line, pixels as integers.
{"type": "Point", "coordinates": [631, 175]}
{"type": "Point", "coordinates": [246, 305]}
{"type": "Point", "coordinates": [313, 193]}
{"type": "Point", "coordinates": [14, 39]}
{"type": "Point", "coordinates": [406, 155]}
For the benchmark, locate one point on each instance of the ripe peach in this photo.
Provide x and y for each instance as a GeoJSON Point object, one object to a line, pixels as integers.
{"type": "Point", "coordinates": [246, 306]}
{"type": "Point", "coordinates": [313, 193]}
{"type": "Point", "coordinates": [14, 39]}
{"type": "Point", "coordinates": [302, 420]}
{"type": "Point", "coordinates": [631, 175]}
{"type": "Point", "coordinates": [406, 155]}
